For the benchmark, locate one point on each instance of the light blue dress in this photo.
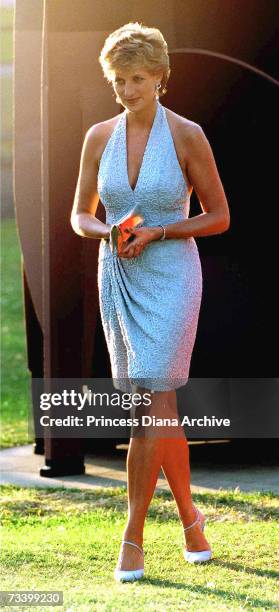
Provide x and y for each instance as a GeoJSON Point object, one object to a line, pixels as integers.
{"type": "Point", "coordinates": [149, 304]}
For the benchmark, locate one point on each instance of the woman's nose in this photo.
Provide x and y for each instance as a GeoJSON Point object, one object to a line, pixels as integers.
{"type": "Point", "coordinates": [129, 91]}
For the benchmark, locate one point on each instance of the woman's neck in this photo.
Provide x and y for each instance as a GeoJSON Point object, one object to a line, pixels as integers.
{"type": "Point", "coordinates": [142, 118]}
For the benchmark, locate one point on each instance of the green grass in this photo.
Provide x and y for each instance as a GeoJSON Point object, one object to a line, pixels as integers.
{"type": "Point", "coordinates": [6, 17]}
{"type": "Point", "coordinates": [15, 377]}
{"type": "Point", "coordinates": [7, 46]}
{"type": "Point", "coordinates": [6, 98]}
{"type": "Point", "coordinates": [69, 540]}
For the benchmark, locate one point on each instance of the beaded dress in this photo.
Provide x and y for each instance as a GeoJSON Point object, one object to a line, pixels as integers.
{"type": "Point", "coordinates": [149, 304]}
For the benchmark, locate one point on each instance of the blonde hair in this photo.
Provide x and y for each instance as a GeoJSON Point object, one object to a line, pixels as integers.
{"type": "Point", "coordinates": [136, 45]}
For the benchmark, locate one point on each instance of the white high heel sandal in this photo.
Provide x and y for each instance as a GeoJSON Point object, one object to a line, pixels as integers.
{"type": "Point", "coordinates": [200, 556]}
{"type": "Point", "coordinates": [129, 575]}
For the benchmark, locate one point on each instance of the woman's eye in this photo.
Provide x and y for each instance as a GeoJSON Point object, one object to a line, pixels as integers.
{"type": "Point", "coordinates": [121, 81]}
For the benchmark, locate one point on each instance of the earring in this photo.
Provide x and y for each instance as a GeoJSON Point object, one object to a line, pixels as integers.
{"type": "Point", "coordinates": [157, 89]}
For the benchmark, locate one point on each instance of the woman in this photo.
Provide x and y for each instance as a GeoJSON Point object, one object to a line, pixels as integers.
{"type": "Point", "coordinates": [149, 159]}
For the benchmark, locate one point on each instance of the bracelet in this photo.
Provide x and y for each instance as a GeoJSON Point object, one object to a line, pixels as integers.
{"type": "Point", "coordinates": [164, 232]}
{"type": "Point", "coordinates": [108, 238]}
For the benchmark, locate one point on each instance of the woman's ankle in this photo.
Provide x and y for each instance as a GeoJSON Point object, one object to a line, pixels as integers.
{"type": "Point", "coordinates": [188, 515]}
{"type": "Point", "coordinates": [133, 533]}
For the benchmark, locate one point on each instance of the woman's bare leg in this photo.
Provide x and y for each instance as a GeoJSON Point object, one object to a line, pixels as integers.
{"type": "Point", "coordinates": [144, 460]}
{"type": "Point", "coordinates": [176, 468]}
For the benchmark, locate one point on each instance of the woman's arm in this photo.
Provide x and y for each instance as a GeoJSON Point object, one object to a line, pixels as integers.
{"type": "Point", "coordinates": [83, 220]}
{"type": "Point", "coordinates": [204, 177]}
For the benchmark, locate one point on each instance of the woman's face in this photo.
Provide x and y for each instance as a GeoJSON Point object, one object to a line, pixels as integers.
{"type": "Point", "coordinates": [135, 87]}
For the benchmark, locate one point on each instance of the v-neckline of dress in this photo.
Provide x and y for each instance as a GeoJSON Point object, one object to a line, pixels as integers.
{"type": "Point", "coordinates": [147, 146]}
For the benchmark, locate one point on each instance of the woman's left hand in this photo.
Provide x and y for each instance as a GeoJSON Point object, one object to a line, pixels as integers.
{"type": "Point", "coordinates": [142, 237]}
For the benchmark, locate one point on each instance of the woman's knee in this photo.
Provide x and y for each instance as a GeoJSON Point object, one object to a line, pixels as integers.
{"type": "Point", "coordinates": [162, 404]}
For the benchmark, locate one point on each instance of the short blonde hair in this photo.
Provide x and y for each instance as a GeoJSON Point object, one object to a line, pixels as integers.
{"type": "Point", "coordinates": [136, 45]}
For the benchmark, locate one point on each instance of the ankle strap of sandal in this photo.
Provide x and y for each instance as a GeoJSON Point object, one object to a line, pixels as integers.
{"type": "Point", "coordinates": [197, 520]}
{"type": "Point", "coordinates": [132, 544]}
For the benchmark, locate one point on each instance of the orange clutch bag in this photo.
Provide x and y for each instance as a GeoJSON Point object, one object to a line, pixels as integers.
{"type": "Point", "coordinates": [118, 236]}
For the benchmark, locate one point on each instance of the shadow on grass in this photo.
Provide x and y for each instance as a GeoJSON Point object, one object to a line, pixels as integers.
{"type": "Point", "coordinates": [201, 590]}
{"type": "Point", "coordinates": [248, 570]}
{"type": "Point", "coordinates": [248, 505]}
{"type": "Point", "coordinates": [58, 500]}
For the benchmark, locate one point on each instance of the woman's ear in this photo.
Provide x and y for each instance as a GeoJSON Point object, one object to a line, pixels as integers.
{"type": "Point", "coordinates": [159, 77]}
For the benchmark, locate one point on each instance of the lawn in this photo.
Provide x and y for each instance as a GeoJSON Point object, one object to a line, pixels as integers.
{"type": "Point", "coordinates": [15, 377]}
{"type": "Point", "coordinates": [57, 539]}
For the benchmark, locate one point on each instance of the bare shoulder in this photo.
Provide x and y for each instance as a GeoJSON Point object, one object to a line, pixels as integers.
{"type": "Point", "coordinates": [189, 140]}
{"type": "Point", "coordinates": [98, 135]}
{"type": "Point", "coordinates": [188, 132]}
{"type": "Point", "coordinates": [99, 130]}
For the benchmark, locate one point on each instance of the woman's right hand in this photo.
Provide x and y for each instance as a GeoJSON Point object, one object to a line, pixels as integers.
{"type": "Point", "coordinates": [142, 236]}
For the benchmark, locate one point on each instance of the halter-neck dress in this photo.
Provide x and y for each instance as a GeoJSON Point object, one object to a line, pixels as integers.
{"type": "Point", "coordinates": [149, 304]}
